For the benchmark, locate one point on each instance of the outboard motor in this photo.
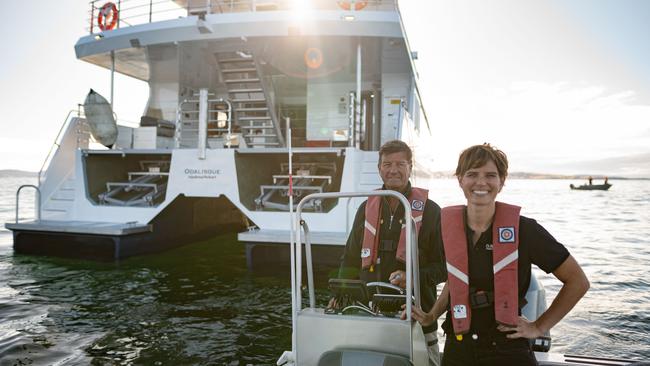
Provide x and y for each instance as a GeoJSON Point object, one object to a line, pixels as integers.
{"type": "Point", "coordinates": [99, 115]}
{"type": "Point", "coordinates": [535, 306]}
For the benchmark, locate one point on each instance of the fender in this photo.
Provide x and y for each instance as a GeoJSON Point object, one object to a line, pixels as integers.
{"type": "Point", "coordinates": [101, 121]}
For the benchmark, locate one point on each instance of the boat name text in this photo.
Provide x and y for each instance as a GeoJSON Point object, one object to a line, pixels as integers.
{"type": "Point", "coordinates": [203, 173]}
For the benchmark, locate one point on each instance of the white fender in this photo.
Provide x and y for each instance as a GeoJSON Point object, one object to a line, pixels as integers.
{"type": "Point", "coordinates": [99, 115]}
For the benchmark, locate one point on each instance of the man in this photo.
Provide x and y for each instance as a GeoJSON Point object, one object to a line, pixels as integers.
{"type": "Point", "coordinates": [375, 249]}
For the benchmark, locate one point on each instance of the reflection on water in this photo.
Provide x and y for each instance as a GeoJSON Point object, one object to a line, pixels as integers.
{"type": "Point", "coordinates": [198, 305]}
{"type": "Point", "coordinates": [193, 305]}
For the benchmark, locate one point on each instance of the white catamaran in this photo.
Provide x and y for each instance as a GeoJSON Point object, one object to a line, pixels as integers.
{"type": "Point", "coordinates": [210, 153]}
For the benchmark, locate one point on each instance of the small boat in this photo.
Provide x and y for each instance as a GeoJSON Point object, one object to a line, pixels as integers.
{"type": "Point", "coordinates": [366, 329]}
{"type": "Point", "coordinates": [591, 187]}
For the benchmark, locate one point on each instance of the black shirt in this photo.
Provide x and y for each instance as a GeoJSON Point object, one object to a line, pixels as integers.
{"type": "Point", "coordinates": [536, 246]}
{"type": "Point", "coordinates": [429, 249]}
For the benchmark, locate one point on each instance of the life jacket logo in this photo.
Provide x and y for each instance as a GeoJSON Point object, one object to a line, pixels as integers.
{"type": "Point", "coordinates": [417, 205]}
{"type": "Point", "coordinates": [460, 312]}
{"type": "Point", "coordinates": [507, 234]}
{"type": "Point", "coordinates": [365, 252]}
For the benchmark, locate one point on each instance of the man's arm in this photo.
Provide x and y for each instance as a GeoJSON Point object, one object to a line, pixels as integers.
{"type": "Point", "coordinates": [428, 318]}
{"type": "Point", "coordinates": [431, 259]}
{"type": "Point", "coordinates": [351, 259]}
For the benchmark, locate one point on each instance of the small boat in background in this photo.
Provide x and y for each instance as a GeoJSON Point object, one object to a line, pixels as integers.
{"type": "Point", "coordinates": [591, 187]}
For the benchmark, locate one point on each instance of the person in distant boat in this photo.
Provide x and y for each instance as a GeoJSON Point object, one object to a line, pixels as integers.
{"type": "Point", "coordinates": [375, 249]}
{"type": "Point", "coordinates": [489, 249]}
{"type": "Point", "coordinates": [605, 180]}
{"type": "Point", "coordinates": [590, 180]}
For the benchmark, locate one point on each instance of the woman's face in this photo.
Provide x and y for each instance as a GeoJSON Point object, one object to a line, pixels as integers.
{"type": "Point", "coordinates": [481, 185]}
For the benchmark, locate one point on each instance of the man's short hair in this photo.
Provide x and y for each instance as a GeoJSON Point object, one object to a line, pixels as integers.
{"type": "Point", "coordinates": [478, 155]}
{"type": "Point", "coordinates": [395, 146]}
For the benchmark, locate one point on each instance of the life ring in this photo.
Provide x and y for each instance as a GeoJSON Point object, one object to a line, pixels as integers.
{"type": "Point", "coordinates": [103, 16]}
{"type": "Point", "coordinates": [358, 5]}
{"type": "Point", "coordinates": [313, 58]}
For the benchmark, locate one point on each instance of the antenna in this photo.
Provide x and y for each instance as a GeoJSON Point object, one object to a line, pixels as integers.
{"type": "Point", "coordinates": [295, 289]}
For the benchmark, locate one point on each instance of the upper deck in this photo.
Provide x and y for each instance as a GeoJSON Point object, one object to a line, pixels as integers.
{"type": "Point", "coordinates": [341, 70]}
{"type": "Point", "coordinates": [144, 23]}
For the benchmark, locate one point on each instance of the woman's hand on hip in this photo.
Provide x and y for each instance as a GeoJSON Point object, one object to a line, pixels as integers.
{"type": "Point", "coordinates": [523, 329]}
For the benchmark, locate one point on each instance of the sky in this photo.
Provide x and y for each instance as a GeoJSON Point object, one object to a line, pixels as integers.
{"type": "Point", "coordinates": [562, 86]}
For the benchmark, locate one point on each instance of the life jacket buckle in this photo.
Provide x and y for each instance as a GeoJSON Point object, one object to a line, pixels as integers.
{"type": "Point", "coordinates": [481, 299]}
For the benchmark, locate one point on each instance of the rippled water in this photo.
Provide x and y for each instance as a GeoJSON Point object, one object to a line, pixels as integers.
{"type": "Point", "coordinates": [197, 305]}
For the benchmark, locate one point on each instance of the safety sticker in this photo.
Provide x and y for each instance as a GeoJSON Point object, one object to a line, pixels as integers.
{"type": "Point", "coordinates": [507, 234]}
{"type": "Point", "coordinates": [417, 205]}
{"type": "Point", "coordinates": [460, 312]}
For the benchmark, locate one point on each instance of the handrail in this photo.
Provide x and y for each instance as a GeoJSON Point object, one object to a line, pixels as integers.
{"type": "Point", "coordinates": [37, 202]}
{"type": "Point", "coordinates": [412, 278]}
{"type": "Point", "coordinates": [57, 141]}
{"type": "Point", "coordinates": [179, 120]}
{"type": "Point", "coordinates": [134, 12]}
{"type": "Point", "coordinates": [270, 101]}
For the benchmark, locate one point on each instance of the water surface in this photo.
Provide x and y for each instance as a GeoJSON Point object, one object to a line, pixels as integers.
{"type": "Point", "coordinates": [197, 304]}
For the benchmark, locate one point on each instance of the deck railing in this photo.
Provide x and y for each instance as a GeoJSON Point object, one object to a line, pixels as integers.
{"type": "Point", "coordinates": [134, 12]}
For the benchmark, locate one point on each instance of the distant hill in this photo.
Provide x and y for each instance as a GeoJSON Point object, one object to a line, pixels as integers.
{"type": "Point", "coordinates": [16, 173]}
{"type": "Point", "coordinates": [636, 166]}
{"type": "Point", "coordinates": [529, 175]}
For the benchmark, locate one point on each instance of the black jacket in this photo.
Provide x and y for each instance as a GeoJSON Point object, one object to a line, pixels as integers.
{"type": "Point", "coordinates": [430, 249]}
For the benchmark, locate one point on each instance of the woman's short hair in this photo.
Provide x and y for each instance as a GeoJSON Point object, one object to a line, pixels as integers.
{"type": "Point", "coordinates": [478, 155]}
{"type": "Point", "coordinates": [395, 146]}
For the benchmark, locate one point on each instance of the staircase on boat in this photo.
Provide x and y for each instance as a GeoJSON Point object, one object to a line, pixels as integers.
{"type": "Point", "coordinates": [251, 99]}
{"type": "Point", "coordinates": [59, 194]}
{"type": "Point", "coordinates": [61, 201]}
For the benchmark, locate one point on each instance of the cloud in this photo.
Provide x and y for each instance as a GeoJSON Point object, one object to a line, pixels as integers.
{"type": "Point", "coordinates": [540, 125]}
{"type": "Point", "coordinates": [632, 166]}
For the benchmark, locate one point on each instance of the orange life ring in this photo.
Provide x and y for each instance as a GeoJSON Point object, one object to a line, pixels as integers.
{"type": "Point", "coordinates": [358, 5]}
{"type": "Point", "coordinates": [313, 58]}
{"type": "Point", "coordinates": [103, 16]}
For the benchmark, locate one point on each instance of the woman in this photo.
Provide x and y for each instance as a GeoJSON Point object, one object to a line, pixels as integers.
{"type": "Point", "coordinates": [489, 249]}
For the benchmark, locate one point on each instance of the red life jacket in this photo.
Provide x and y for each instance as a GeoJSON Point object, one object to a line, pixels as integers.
{"type": "Point", "coordinates": [505, 251]}
{"type": "Point", "coordinates": [369, 249]}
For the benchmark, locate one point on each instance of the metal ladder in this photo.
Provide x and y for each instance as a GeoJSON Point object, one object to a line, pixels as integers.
{"type": "Point", "coordinates": [253, 109]}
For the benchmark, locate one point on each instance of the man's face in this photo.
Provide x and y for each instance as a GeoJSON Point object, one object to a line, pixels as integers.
{"type": "Point", "coordinates": [395, 170]}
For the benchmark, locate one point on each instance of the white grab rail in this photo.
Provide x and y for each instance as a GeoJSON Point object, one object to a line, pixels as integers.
{"type": "Point", "coordinates": [37, 202]}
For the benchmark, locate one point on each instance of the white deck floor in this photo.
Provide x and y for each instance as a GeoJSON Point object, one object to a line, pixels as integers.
{"type": "Point", "coordinates": [81, 227]}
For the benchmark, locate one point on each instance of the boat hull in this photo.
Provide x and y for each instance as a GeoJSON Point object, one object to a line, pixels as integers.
{"type": "Point", "coordinates": [181, 223]}
{"type": "Point", "coordinates": [591, 187]}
